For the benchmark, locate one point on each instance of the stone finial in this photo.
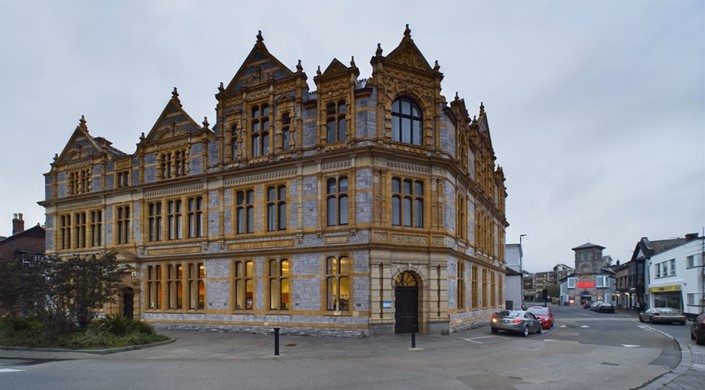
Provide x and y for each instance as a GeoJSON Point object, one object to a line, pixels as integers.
{"type": "Point", "coordinates": [259, 36]}
{"type": "Point", "coordinates": [205, 123]}
{"type": "Point", "coordinates": [175, 96]}
{"type": "Point", "coordinates": [221, 88]}
{"type": "Point", "coordinates": [482, 108]}
{"type": "Point", "coordinates": [456, 95]}
{"type": "Point", "coordinates": [379, 50]}
{"type": "Point", "coordinates": [299, 68]}
{"type": "Point", "coordinates": [352, 61]}
{"type": "Point", "coordinates": [318, 71]}
{"type": "Point", "coordinates": [407, 31]}
{"type": "Point", "coordinates": [436, 67]}
{"type": "Point", "coordinates": [82, 123]}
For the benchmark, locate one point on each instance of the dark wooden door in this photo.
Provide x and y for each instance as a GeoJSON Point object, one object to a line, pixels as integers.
{"type": "Point", "coordinates": [407, 309]}
{"type": "Point", "coordinates": [128, 300]}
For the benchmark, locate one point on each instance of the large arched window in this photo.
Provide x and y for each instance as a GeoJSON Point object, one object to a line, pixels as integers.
{"type": "Point", "coordinates": [406, 121]}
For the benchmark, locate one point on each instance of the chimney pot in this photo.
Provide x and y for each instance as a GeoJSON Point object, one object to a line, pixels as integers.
{"type": "Point", "coordinates": [17, 224]}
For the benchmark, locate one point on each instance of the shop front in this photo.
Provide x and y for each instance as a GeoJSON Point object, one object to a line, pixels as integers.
{"type": "Point", "coordinates": [667, 296]}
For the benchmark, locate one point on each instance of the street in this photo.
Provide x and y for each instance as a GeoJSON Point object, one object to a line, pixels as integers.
{"type": "Point", "coordinates": [584, 350]}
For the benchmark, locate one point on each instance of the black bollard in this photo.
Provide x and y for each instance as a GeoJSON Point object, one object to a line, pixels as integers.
{"type": "Point", "coordinates": [276, 341]}
{"type": "Point", "coordinates": [413, 339]}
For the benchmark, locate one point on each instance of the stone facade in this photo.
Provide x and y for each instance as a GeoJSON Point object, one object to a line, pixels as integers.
{"type": "Point", "coordinates": [305, 210]}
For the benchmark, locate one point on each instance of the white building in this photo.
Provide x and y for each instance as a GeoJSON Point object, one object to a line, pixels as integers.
{"type": "Point", "coordinates": [513, 291]}
{"type": "Point", "coordinates": [676, 277]}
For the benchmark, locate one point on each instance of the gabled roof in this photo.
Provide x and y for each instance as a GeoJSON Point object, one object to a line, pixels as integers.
{"type": "Point", "coordinates": [82, 145]}
{"type": "Point", "coordinates": [35, 231]}
{"type": "Point", "coordinates": [588, 245]}
{"type": "Point", "coordinates": [407, 54]}
{"type": "Point", "coordinates": [258, 68]}
{"type": "Point", "coordinates": [173, 122]}
{"type": "Point", "coordinates": [647, 248]}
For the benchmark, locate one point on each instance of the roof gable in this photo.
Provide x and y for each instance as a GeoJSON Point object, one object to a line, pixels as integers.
{"type": "Point", "coordinates": [258, 68]}
{"type": "Point", "coordinates": [82, 145]}
{"type": "Point", "coordinates": [173, 122]}
{"type": "Point", "coordinates": [407, 54]}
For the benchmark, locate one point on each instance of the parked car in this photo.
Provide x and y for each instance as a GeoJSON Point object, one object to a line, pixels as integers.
{"type": "Point", "coordinates": [594, 305]}
{"type": "Point", "coordinates": [697, 330]}
{"type": "Point", "coordinates": [604, 307]}
{"type": "Point", "coordinates": [664, 315]}
{"type": "Point", "coordinates": [545, 314]}
{"type": "Point", "coordinates": [518, 321]}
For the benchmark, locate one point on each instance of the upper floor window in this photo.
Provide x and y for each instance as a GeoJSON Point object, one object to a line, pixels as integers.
{"type": "Point", "coordinates": [173, 164]}
{"type": "Point", "coordinates": [337, 201]}
{"type": "Point", "coordinates": [174, 219]}
{"type": "Point", "coordinates": [286, 131]}
{"type": "Point", "coordinates": [461, 218]}
{"type": "Point", "coordinates": [245, 211]}
{"type": "Point", "coordinates": [96, 228]}
{"type": "Point", "coordinates": [79, 182]}
{"type": "Point", "coordinates": [407, 202]}
{"type": "Point", "coordinates": [406, 122]}
{"type": "Point", "coordinates": [336, 126]}
{"type": "Point", "coordinates": [123, 178]}
{"type": "Point", "coordinates": [260, 130]}
{"type": "Point", "coordinates": [195, 217]}
{"type": "Point", "coordinates": [154, 221]}
{"type": "Point", "coordinates": [80, 229]}
{"type": "Point", "coordinates": [123, 224]}
{"type": "Point", "coordinates": [276, 208]}
{"type": "Point", "coordinates": [65, 231]}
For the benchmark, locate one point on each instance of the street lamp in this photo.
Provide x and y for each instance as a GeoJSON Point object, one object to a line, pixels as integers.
{"type": "Point", "coordinates": [521, 270]}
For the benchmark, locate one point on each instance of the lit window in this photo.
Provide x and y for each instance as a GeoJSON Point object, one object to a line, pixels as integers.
{"type": "Point", "coordinates": [244, 285]}
{"type": "Point", "coordinates": [196, 286]}
{"type": "Point", "coordinates": [279, 293]}
{"type": "Point", "coordinates": [337, 284]}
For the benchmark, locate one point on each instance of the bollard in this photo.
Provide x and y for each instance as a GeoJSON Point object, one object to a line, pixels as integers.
{"type": "Point", "coordinates": [413, 339]}
{"type": "Point", "coordinates": [276, 341]}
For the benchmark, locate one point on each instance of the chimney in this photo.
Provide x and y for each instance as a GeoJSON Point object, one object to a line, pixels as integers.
{"type": "Point", "coordinates": [17, 224]}
{"type": "Point", "coordinates": [691, 236]}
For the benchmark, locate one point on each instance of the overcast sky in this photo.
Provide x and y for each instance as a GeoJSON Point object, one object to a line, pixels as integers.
{"type": "Point", "coordinates": [596, 108]}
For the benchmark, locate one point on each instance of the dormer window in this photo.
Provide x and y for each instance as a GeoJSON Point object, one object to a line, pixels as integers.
{"type": "Point", "coordinates": [336, 125]}
{"type": "Point", "coordinates": [79, 182]}
{"type": "Point", "coordinates": [406, 122]}
{"type": "Point", "coordinates": [260, 130]}
{"type": "Point", "coordinates": [173, 164]}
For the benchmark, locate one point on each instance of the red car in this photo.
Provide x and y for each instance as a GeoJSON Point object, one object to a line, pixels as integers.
{"type": "Point", "coordinates": [545, 314]}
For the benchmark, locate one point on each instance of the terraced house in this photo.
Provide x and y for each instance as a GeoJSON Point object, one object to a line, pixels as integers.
{"type": "Point", "coordinates": [368, 206]}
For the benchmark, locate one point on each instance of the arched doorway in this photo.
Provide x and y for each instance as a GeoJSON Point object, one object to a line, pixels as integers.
{"type": "Point", "coordinates": [128, 302]}
{"type": "Point", "coordinates": [406, 293]}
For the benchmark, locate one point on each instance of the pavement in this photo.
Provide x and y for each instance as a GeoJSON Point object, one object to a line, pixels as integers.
{"type": "Point", "coordinates": [425, 365]}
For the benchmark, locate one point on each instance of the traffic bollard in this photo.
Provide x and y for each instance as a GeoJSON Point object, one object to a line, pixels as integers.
{"type": "Point", "coordinates": [276, 341]}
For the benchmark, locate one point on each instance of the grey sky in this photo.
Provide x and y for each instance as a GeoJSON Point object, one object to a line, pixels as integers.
{"type": "Point", "coordinates": [596, 108]}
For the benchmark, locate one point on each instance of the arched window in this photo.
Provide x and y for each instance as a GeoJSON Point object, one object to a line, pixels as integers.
{"type": "Point", "coordinates": [406, 122]}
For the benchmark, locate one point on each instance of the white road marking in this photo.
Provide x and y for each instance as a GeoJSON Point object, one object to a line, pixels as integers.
{"type": "Point", "coordinates": [474, 339]}
{"type": "Point", "coordinates": [9, 370]}
{"type": "Point", "coordinates": [584, 326]}
{"type": "Point", "coordinates": [631, 346]}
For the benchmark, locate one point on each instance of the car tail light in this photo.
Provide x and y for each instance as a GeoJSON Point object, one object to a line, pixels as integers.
{"type": "Point", "coordinates": [516, 320]}
{"type": "Point", "coordinates": [494, 320]}
{"type": "Point", "coordinates": [657, 314]}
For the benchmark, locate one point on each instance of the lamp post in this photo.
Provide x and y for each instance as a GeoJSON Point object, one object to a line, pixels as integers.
{"type": "Point", "coordinates": [521, 270]}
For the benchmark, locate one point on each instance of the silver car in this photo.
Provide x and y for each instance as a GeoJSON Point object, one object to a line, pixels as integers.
{"type": "Point", "coordinates": [518, 321]}
{"type": "Point", "coordinates": [663, 315]}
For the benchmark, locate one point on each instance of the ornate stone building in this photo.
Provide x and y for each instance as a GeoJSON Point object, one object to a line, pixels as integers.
{"type": "Point", "coordinates": [366, 206]}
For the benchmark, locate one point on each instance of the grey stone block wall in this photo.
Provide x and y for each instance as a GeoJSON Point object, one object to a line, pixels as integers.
{"type": "Point", "coordinates": [449, 210]}
{"type": "Point", "coordinates": [310, 209]}
{"type": "Point", "coordinates": [134, 222]}
{"type": "Point", "coordinates": [306, 294]}
{"type": "Point", "coordinates": [97, 179]}
{"type": "Point", "coordinates": [108, 225]}
{"type": "Point", "coordinates": [447, 135]}
{"type": "Point", "coordinates": [62, 187]}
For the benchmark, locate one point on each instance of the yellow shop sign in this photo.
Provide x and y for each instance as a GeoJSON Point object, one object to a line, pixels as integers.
{"type": "Point", "coordinates": [672, 287]}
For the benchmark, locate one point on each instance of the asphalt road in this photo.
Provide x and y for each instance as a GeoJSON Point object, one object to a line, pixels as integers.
{"type": "Point", "coordinates": [585, 350]}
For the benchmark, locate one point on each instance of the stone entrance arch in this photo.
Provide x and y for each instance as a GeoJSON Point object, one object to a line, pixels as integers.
{"type": "Point", "coordinates": [406, 307]}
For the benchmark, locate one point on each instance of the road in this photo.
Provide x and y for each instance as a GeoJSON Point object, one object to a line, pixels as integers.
{"type": "Point", "coordinates": [584, 350]}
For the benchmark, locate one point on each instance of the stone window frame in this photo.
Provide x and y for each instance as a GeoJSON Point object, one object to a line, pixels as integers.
{"type": "Point", "coordinates": [339, 198]}
{"type": "Point", "coordinates": [474, 281]}
{"type": "Point", "coordinates": [460, 290]}
{"type": "Point", "coordinates": [400, 117]}
{"type": "Point", "coordinates": [337, 276]}
{"type": "Point", "coordinates": [260, 131]}
{"type": "Point", "coordinates": [336, 113]}
{"type": "Point", "coordinates": [122, 224]}
{"type": "Point", "coordinates": [122, 178]}
{"type": "Point", "coordinates": [248, 225]}
{"type": "Point", "coordinates": [401, 196]}
{"type": "Point", "coordinates": [173, 163]}
{"type": "Point", "coordinates": [153, 287]}
{"type": "Point", "coordinates": [96, 228]}
{"type": "Point", "coordinates": [244, 277]}
{"type": "Point", "coordinates": [276, 207]}
{"type": "Point", "coordinates": [196, 286]}
{"type": "Point", "coordinates": [279, 276]}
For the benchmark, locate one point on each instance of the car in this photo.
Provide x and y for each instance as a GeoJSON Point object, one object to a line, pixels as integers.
{"type": "Point", "coordinates": [664, 315]}
{"type": "Point", "coordinates": [604, 307]}
{"type": "Point", "coordinates": [543, 313]}
{"type": "Point", "coordinates": [594, 305]}
{"type": "Point", "coordinates": [697, 330]}
{"type": "Point", "coordinates": [518, 321]}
